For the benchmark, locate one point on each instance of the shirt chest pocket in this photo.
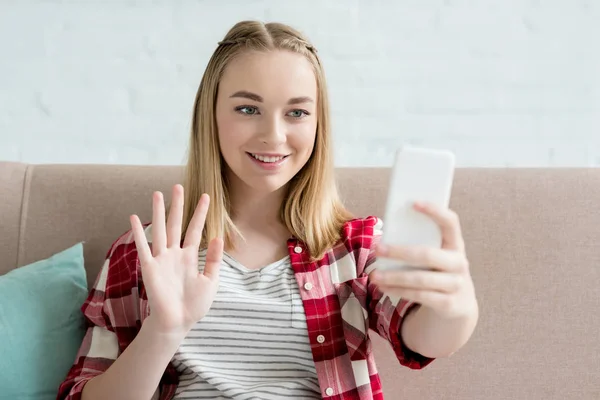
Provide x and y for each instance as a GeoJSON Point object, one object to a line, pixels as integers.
{"type": "Point", "coordinates": [353, 298]}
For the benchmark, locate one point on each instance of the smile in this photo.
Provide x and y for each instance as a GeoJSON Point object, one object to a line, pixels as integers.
{"type": "Point", "coordinates": [268, 159]}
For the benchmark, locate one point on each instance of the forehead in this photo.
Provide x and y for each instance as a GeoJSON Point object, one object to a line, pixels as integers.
{"type": "Point", "coordinates": [274, 75]}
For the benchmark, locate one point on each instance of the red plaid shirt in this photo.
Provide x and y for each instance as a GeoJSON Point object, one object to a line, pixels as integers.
{"type": "Point", "coordinates": [340, 304]}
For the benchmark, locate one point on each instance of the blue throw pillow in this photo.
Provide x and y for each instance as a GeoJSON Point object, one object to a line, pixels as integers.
{"type": "Point", "coordinates": [41, 324]}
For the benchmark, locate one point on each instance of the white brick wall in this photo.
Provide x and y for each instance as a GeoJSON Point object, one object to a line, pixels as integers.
{"type": "Point", "coordinates": [500, 82]}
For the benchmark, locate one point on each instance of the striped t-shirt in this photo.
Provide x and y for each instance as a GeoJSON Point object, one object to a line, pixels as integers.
{"type": "Point", "coordinates": [253, 343]}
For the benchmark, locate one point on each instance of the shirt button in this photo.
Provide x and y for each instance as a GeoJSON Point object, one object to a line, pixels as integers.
{"type": "Point", "coordinates": [308, 286]}
{"type": "Point", "coordinates": [320, 338]}
{"type": "Point", "coordinates": [329, 391]}
{"type": "Point", "coordinates": [297, 249]}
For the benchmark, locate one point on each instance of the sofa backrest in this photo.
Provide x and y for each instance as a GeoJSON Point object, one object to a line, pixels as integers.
{"type": "Point", "coordinates": [533, 238]}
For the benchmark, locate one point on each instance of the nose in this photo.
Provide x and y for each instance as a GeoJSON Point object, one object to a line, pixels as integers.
{"type": "Point", "coordinates": [273, 131]}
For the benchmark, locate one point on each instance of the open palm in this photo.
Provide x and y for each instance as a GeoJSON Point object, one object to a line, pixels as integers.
{"type": "Point", "coordinates": [178, 294]}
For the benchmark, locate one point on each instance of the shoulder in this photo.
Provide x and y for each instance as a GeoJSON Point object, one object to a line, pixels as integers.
{"type": "Point", "coordinates": [118, 286]}
{"type": "Point", "coordinates": [125, 243]}
{"type": "Point", "coordinates": [355, 250]}
{"type": "Point", "coordinates": [121, 267]}
{"type": "Point", "coordinates": [362, 231]}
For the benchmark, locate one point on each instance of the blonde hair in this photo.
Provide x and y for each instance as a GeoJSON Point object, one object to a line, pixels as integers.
{"type": "Point", "coordinates": [312, 210]}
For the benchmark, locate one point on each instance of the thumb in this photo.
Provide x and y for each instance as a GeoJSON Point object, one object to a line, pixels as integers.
{"type": "Point", "coordinates": [214, 257]}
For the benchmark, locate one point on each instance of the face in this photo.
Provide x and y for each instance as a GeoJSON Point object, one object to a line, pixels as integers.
{"type": "Point", "coordinates": [266, 115]}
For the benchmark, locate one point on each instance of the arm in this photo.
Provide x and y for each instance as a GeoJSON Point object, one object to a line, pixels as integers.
{"type": "Point", "coordinates": [444, 288]}
{"type": "Point", "coordinates": [136, 373]}
{"type": "Point", "coordinates": [432, 335]}
{"type": "Point", "coordinates": [173, 287]}
{"type": "Point", "coordinates": [388, 314]}
{"type": "Point", "coordinates": [117, 359]}
{"type": "Point", "coordinates": [388, 317]}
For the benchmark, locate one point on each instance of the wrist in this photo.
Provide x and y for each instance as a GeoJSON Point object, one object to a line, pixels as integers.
{"type": "Point", "coordinates": [171, 337]}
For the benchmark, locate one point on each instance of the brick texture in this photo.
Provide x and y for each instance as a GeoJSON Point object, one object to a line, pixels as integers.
{"type": "Point", "coordinates": [501, 83]}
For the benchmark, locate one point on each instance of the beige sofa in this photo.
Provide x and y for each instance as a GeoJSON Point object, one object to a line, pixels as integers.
{"type": "Point", "coordinates": [533, 238]}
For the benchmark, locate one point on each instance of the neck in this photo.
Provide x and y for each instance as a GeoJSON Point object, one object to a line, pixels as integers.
{"type": "Point", "coordinates": [256, 215]}
{"type": "Point", "coordinates": [254, 209]}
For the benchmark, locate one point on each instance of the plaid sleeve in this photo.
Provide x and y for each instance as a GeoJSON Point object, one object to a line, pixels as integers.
{"type": "Point", "coordinates": [113, 311]}
{"type": "Point", "coordinates": [386, 313]}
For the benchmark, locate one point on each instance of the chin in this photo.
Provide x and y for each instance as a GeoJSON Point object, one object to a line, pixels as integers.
{"type": "Point", "coordinates": [270, 184]}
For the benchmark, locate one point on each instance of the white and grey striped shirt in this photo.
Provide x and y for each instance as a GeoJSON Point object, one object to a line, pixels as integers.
{"type": "Point", "coordinates": [253, 343]}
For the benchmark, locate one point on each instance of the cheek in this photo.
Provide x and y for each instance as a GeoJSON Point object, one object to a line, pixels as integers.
{"type": "Point", "coordinates": [304, 139]}
{"type": "Point", "coordinates": [232, 133]}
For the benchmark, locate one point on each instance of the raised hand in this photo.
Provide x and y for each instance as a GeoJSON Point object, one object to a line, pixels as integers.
{"type": "Point", "coordinates": [178, 294]}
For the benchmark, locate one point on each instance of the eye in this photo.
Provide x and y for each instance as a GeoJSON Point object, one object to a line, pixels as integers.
{"type": "Point", "coordinates": [247, 110]}
{"type": "Point", "coordinates": [298, 113]}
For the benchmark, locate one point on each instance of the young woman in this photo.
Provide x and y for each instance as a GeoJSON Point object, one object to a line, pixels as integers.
{"type": "Point", "coordinates": [270, 291]}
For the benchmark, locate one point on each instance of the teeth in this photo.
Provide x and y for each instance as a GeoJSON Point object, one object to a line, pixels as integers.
{"type": "Point", "coordinates": [267, 159]}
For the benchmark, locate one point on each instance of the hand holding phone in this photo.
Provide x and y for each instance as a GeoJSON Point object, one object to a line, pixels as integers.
{"type": "Point", "coordinates": [418, 175]}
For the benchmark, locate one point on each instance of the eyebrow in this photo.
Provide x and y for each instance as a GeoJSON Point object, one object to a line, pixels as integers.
{"type": "Point", "coordinates": [253, 96]}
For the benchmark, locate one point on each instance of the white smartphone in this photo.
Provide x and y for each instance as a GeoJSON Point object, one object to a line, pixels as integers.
{"type": "Point", "coordinates": [418, 174]}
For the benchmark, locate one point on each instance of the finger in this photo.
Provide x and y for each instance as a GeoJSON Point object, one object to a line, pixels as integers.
{"type": "Point", "coordinates": [193, 235]}
{"type": "Point", "coordinates": [159, 235]}
{"type": "Point", "coordinates": [214, 257]}
{"type": "Point", "coordinates": [425, 257]}
{"type": "Point", "coordinates": [175, 217]}
{"type": "Point", "coordinates": [449, 223]}
{"type": "Point", "coordinates": [430, 298]}
{"type": "Point", "coordinates": [141, 244]}
{"type": "Point", "coordinates": [422, 280]}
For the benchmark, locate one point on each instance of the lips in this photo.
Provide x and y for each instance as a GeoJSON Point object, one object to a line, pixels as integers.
{"type": "Point", "coordinates": [268, 159]}
{"type": "Point", "coordinates": [268, 162]}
